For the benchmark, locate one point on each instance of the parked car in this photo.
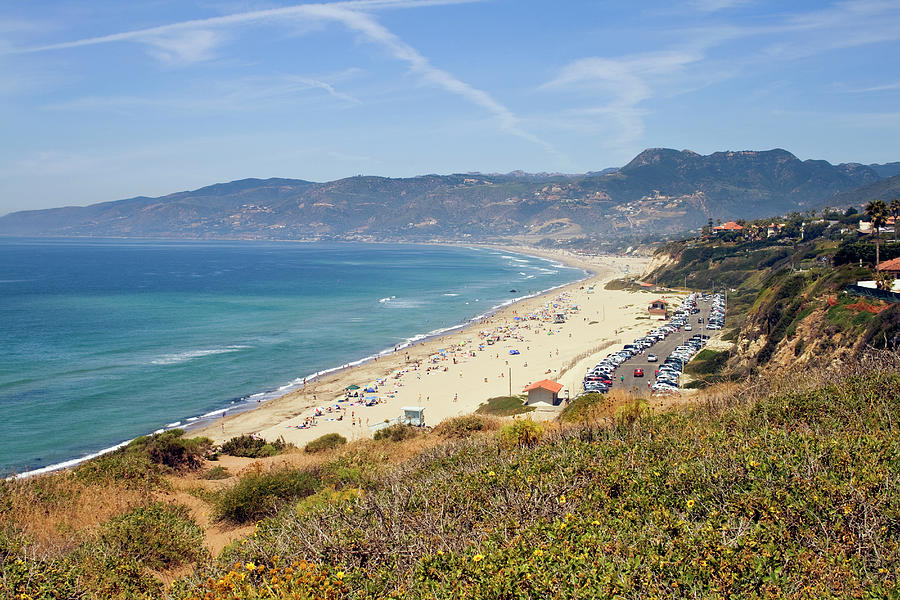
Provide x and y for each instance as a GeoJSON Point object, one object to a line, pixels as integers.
{"type": "Point", "coordinates": [652, 358]}
{"type": "Point", "coordinates": [638, 372]}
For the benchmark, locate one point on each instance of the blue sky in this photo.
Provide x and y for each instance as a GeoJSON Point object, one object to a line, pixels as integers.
{"type": "Point", "coordinates": [101, 100]}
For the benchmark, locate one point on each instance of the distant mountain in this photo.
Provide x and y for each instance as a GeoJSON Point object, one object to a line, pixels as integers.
{"type": "Point", "coordinates": [659, 190]}
{"type": "Point", "coordinates": [887, 169]}
{"type": "Point", "coordinates": [886, 189]}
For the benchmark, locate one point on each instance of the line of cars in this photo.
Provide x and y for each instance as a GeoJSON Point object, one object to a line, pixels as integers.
{"type": "Point", "coordinates": [669, 372]}
{"type": "Point", "coordinates": [601, 377]}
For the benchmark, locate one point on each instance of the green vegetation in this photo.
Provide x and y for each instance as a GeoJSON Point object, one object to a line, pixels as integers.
{"type": "Point", "coordinates": [396, 433]}
{"type": "Point", "coordinates": [329, 441]}
{"type": "Point", "coordinates": [249, 446]}
{"type": "Point", "coordinates": [217, 472]}
{"type": "Point", "coordinates": [504, 406]}
{"type": "Point", "coordinates": [143, 462]}
{"type": "Point", "coordinates": [521, 432]}
{"type": "Point", "coordinates": [262, 494]}
{"type": "Point", "coordinates": [582, 408]}
{"type": "Point", "coordinates": [790, 495]}
{"type": "Point", "coordinates": [117, 562]}
{"type": "Point", "coordinates": [460, 427]}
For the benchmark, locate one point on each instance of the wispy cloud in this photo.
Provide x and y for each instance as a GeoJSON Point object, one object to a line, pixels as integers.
{"type": "Point", "coordinates": [196, 40]}
{"type": "Point", "coordinates": [619, 85]}
{"type": "Point", "coordinates": [710, 6]}
{"type": "Point", "coordinates": [157, 36]}
{"type": "Point", "coordinates": [876, 88]}
{"type": "Point", "coordinates": [224, 96]}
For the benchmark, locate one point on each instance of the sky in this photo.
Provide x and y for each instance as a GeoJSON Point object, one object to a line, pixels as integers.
{"type": "Point", "coordinates": [102, 100]}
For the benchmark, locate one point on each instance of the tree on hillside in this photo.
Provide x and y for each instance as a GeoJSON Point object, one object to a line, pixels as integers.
{"type": "Point", "coordinates": [884, 280]}
{"type": "Point", "coordinates": [877, 211]}
{"type": "Point", "coordinates": [895, 212]}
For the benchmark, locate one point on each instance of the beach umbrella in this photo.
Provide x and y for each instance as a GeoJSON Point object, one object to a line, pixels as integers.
{"type": "Point", "coordinates": [352, 387]}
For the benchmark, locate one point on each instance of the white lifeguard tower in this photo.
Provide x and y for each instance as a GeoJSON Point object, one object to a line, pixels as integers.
{"type": "Point", "coordinates": [413, 415]}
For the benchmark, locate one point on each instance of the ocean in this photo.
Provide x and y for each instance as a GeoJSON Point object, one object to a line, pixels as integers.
{"type": "Point", "coordinates": [105, 340]}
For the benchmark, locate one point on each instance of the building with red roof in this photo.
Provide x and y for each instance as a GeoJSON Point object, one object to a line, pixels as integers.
{"type": "Point", "coordinates": [891, 266]}
{"type": "Point", "coordinates": [659, 309]}
{"type": "Point", "coordinates": [543, 392]}
{"type": "Point", "coordinates": [729, 226]}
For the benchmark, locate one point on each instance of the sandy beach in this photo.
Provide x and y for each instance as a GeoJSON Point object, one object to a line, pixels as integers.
{"type": "Point", "coordinates": [453, 374]}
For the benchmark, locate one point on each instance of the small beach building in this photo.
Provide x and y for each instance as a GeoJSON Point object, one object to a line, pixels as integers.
{"type": "Point", "coordinates": [659, 309]}
{"type": "Point", "coordinates": [543, 392]}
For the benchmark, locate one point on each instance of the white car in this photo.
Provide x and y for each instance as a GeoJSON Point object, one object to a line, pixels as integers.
{"type": "Point", "coordinates": [652, 358]}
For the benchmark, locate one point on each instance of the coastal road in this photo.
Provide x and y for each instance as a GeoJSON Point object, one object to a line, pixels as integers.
{"type": "Point", "coordinates": [661, 349]}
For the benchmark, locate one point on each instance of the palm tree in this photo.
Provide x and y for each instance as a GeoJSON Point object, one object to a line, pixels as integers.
{"type": "Point", "coordinates": [895, 212]}
{"type": "Point", "coordinates": [884, 280]}
{"type": "Point", "coordinates": [877, 211]}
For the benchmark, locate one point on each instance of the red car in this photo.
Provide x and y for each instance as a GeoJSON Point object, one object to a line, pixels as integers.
{"type": "Point", "coordinates": [638, 372]}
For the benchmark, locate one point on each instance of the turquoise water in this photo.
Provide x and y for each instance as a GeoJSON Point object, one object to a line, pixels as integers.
{"type": "Point", "coordinates": [107, 340]}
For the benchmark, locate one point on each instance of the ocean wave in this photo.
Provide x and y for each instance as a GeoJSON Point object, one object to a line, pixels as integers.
{"type": "Point", "coordinates": [448, 294]}
{"type": "Point", "coordinates": [180, 357]}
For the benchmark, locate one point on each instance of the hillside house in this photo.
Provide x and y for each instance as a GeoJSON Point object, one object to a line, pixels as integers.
{"type": "Point", "coordinates": [729, 226]}
{"type": "Point", "coordinates": [659, 309]}
{"type": "Point", "coordinates": [774, 229]}
{"type": "Point", "coordinates": [890, 266]}
{"type": "Point", "coordinates": [543, 392]}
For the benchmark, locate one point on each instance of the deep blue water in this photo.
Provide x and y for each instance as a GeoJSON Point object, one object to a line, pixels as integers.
{"type": "Point", "coordinates": [106, 340]}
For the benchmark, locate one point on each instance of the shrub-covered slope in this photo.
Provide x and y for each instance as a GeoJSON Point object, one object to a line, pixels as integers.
{"type": "Point", "coordinates": [794, 495]}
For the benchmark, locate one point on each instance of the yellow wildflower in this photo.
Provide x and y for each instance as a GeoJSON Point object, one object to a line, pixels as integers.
{"type": "Point", "coordinates": [478, 558]}
{"type": "Point", "coordinates": [690, 503]}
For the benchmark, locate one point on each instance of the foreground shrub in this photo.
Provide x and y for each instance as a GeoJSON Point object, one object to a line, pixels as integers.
{"type": "Point", "coordinates": [172, 449]}
{"type": "Point", "coordinates": [521, 432]}
{"type": "Point", "coordinates": [216, 473]}
{"type": "Point", "coordinates": [396, 433]}
{"type": "Point", "coordinates": [583, 408]}
{"type": "Point", "coordinates": [124, 467]}
{"type": "Point", "coordinates": [504, 406]}
{"type": "Point", "coordinates": [328, 497]}
{"type": "Point", "coordinates": [460, 427]}
{"type": "Point", "coordinates": [260, 495]}
{"type": "Point", "coordinates": [158, 536]}
{"type": "Point", "coordinates": [248, 446]}
{"type": "Point", "coordinates": [299, 580]}
{"type": "Point", "coordinates": [329, 441]}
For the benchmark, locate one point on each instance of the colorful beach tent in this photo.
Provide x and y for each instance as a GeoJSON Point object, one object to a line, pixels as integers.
{"type": "Point", "coordinates": [352, 387]}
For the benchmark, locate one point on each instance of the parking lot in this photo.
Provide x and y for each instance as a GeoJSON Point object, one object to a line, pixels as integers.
{"type": "Point", "coordinates": [672, 342]}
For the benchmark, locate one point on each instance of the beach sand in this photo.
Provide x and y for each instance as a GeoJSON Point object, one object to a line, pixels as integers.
{"type": "Point", "coordinates": [453, 374]}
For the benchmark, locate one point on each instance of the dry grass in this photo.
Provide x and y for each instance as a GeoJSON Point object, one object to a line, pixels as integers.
{"type": "Point", "coordinates": [56, 510]}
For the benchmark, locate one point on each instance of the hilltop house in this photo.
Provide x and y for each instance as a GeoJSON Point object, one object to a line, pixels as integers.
{"type": "Point", "coordinates": [890, 266]}
{"type": "Point", "coordinates": [888, 227]}
{"type": "Point", "coordinates": [774, 229]}
{"type": "Point", "coordinates": [543, 392]}
{"type": "Point", "coordinates": [659, 309]}
{"type": "Point", "coordinates": [729, 226]}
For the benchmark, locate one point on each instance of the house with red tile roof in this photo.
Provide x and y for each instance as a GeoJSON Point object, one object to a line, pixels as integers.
{"type": "Point", "coordinates": [729, 226]}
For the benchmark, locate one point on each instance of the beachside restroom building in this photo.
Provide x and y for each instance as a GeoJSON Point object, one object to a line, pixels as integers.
{"type": "Point", "coordinates": [543, 392]}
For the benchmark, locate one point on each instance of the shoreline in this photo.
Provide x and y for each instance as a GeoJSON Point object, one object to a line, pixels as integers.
{"type": "Point", "coordinates": [258, 401]}
{"type": "Point", "coordinates": [396, 377]}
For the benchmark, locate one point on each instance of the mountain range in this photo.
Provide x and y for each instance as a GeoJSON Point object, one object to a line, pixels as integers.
{"type": "Point", "coordinates": [661, 190]}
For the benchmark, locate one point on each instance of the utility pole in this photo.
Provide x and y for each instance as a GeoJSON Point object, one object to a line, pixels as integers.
{"type": "Point", "coordinates": [510, 382]}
